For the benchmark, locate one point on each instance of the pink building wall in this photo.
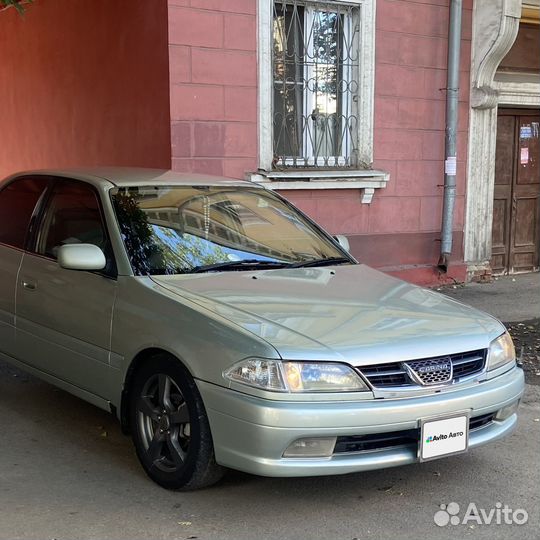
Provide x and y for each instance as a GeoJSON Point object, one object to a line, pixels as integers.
{"type": "Point", "coordinates": [213, 76]}
{"type": "Point", "coordinates": [400, 230]}
{"type": "Point", "coordinates": [84, 83]}
{"type": "Point", "coordinates": [213, 46]}
{"type": "Point", "coordinates": [174, 83]}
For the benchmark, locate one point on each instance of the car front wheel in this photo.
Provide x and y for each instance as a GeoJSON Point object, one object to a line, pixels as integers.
{"type": "Point", "coordinates": [170, 428]}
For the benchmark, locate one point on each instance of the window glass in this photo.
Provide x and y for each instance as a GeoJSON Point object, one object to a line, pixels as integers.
{"type": "Point", "coordinates": [17, 202]}
{"type": "Point", "coordinates": [73, 217]}
{"type": "Point", "coordinates": [174, 230]}
{"type": "Point", "coordinates": [315, 76]}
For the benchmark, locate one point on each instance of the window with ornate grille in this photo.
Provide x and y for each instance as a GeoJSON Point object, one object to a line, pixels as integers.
{"type": "Point", "coordinates": [315, 79]}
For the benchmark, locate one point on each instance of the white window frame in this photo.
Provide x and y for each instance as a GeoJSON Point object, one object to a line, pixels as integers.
{"type": "Point", "coordinates": [364, 177]}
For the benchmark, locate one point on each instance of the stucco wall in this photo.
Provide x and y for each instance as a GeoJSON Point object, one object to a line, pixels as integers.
{"type": "Point", "coordinates": [214, 120]}
{"type": "Point", "coordinates": [401, 227]}
{"type": "Point", "coordinates": [212, 48]}
{"type": "Point", "coordinates": [84, 83]}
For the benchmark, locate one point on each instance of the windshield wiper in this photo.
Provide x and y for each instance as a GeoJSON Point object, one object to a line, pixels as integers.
{"type": "Point", "coordinates": [256, 264]}
{"type": "Point", "coordinates": [327, 261]}
{"type": "Point", "coordinates": [245, 264]}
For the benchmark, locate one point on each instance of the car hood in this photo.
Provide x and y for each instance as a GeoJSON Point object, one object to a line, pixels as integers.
{"type": "Point", "coordinates": [346, 313]}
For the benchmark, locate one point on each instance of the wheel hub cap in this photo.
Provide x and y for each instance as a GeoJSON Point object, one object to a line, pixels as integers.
{"type": "Point", "coordinates": [165, 423]}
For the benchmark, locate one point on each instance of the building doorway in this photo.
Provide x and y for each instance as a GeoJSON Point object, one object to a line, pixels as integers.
{"type": "Point", "coordinates": [516, 205]}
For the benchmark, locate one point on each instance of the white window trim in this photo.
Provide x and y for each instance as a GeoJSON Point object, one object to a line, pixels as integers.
{"type": "Point", "coordinates": [335, 179]}
{"type": "Point", "coordinates": [365, 180]}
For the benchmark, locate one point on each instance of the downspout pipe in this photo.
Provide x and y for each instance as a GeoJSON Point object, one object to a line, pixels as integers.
{"type": "Point", "coordinates": [452, 96]}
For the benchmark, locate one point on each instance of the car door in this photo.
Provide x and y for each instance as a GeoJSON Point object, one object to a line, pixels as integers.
{"type": "Point", "coordinates": [18, 200]}
{"type": "Point", "coordinates": [64, 316]}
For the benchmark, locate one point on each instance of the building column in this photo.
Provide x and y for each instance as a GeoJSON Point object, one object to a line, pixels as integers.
{"type": "Point", "coordinates": [495, 27]}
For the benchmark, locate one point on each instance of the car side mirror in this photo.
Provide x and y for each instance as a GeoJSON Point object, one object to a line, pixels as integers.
{"type": "Point", "coordinates": [81, 257]}
{"type": "Point", "coordinates": [343, 242]}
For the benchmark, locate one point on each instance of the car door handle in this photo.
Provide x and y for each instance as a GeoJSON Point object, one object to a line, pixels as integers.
{"type": "Point", "coordinates": [29, 285]}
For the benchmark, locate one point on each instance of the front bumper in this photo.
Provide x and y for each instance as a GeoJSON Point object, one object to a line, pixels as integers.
{"type": "Point", "coordinates": [250, 434]}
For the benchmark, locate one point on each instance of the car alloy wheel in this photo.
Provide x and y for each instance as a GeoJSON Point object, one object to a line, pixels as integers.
{"type": "Point", "coordinates": [163, 421]}
{"type": "Point", "coordinates": [170, 429]}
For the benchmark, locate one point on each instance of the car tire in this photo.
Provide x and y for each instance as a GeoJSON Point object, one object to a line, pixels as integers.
{"type": "Point", "coordinates": [170, 428]}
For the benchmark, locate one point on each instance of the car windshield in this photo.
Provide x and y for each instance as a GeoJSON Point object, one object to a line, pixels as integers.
{"type": "Point", "coordinates": [187, 229]}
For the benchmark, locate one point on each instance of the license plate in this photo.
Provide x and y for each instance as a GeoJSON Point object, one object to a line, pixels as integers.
{"type": "Point", "coordinates": [443, 436]}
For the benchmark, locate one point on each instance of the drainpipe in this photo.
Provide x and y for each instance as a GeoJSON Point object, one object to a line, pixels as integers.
{"type": "Point", "coordinates": [452, 95]}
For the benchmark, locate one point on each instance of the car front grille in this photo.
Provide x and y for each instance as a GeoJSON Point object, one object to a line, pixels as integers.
{"type": "Point", "coordinates": [383, 441]}
{"type": "Point", "coordinates": [377, 441]}
{"type": "Point", "coordinates": [436, 370]}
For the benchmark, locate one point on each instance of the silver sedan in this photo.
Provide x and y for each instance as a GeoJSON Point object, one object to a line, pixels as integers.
{"type": "Point", "coordinates": [225, 329]}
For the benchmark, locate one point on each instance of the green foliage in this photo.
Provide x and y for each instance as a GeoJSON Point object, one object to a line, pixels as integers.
{"type": "Point", "coordinates": [160, 251]}
{"type": "Point", "coordinates": [136, 232]}
{"type": "Point", "coordinates": [186, 251]}
{"type": "Point", "coordinates": [19, 5]}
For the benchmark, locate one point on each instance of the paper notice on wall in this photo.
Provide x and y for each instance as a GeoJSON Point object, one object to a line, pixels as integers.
{"type": "Point", "coordinates": [450, 166]}
{"type": "Point", "coordinates": [524, 155]}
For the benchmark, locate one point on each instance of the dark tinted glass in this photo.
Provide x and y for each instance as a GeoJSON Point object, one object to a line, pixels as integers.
{"type": "Point", "coordinates": [17, 202]}
{"type": "Point", "coordinates": [73, 217]}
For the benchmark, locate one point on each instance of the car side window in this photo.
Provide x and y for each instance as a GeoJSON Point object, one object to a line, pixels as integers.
{"type": "Point", "coordinates": [73, 216]}
{"type": "Point", "coordinates": [17, 203]}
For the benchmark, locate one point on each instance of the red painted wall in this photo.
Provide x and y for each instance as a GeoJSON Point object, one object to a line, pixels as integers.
{"type": "Point", "coordinates": [214, 122]}
{"type": "Point", "coordinates": [84, 83]}
{"type": "Point", "coordinates": [213, 74]}
{"type": "Point", "coordinates": [400, 229]}
{"type": "Point", "coordinates": [100, 82]}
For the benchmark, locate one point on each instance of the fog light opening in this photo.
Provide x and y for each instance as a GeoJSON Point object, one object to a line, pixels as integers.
{"type": "Point", "coordinates": [508, 411]}
{"type": "Point", "coordinates": [311, 447]}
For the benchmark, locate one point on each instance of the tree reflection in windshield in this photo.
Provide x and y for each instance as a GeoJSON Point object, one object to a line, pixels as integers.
{"type": "Point", "coordinates": [178, 229]}
{"type": "Point", "coordinates": [157, 249]}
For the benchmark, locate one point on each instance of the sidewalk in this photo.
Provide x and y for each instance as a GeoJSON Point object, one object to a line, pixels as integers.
{"type": "Point", "coordinates": [515, 300]}
{"type": "Point", "coordinates": [509, 298]}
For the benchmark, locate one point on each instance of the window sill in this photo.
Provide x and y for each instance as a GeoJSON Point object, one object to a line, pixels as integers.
{"type": "Point", "coordinates": [365, 180]}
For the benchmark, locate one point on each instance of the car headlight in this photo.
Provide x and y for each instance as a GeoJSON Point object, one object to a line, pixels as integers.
{"type": "Point", "coordinates": [282, 376]}
{"type": "Point", "coordinates": [501, 351]}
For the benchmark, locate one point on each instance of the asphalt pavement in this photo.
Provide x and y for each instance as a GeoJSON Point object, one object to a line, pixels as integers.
{"type": "Point", "coordinates": [67, 472]}
{"type": "Point", "coordinates": [509, 298]}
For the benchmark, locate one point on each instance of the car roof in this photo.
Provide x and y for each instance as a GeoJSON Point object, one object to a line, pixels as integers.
{"type": "Point", "coordinates": [136, 176]}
